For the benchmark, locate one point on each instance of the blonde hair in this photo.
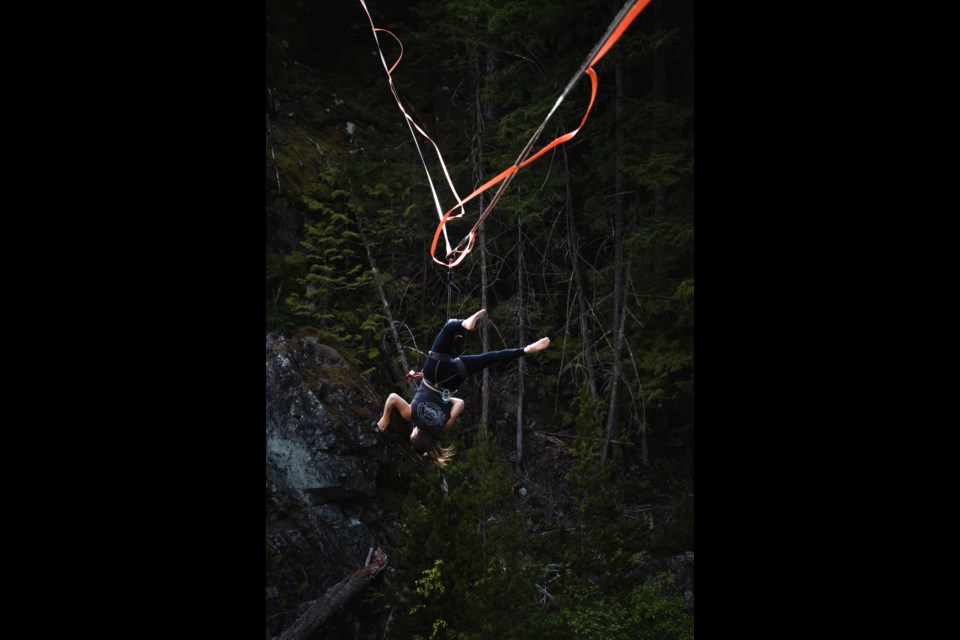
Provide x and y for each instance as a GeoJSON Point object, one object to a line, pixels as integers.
{"type": "Point", "coordinates": [425, 445]}
{"type": "Point", "coordinates": [441, 455]}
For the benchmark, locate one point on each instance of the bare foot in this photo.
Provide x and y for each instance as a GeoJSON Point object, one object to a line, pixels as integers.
{"type": "Point", "coordinates": [471, 323]}
{"type": "Point", "coordinates": [539, 345]}
{"type": "Point", "coordinates": [383, 423]}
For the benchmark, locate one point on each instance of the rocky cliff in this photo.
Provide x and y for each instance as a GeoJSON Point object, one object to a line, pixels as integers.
{"type": "Point", "coordinates": [323, 456]}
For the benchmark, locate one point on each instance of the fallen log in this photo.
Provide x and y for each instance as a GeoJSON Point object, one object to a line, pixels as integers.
{"type": "Point", "coordinates": [334, 598]}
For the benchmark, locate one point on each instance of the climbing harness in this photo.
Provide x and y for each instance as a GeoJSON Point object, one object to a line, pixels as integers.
{"type": "Point", "coordinates": [445, 394]}
{"type": "Point", "coordinates": [443, 357]}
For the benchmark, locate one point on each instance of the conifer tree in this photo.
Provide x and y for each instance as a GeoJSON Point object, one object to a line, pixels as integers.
{"type": "Point", "coordinates": [461, 562]}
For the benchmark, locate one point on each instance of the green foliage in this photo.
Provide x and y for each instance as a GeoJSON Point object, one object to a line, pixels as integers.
{"type": "Point", "coordinates": [645, 612]}
{"type": "Point", "coordinates": [676, 535]}
{"type": "Point", "coordinates": [337, 270]}
{"type": "Point", "coordinates": [427, 586]}
{"type": "Point", "coordinates": [461, 555]}
{"type": "Point", "coordinates": [590, 421]}
{"type": "Point", "coordinates": [283, 272]}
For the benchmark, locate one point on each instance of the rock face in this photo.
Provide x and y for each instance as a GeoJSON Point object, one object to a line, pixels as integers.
{"type": "Point", "coordinates": [682, 566]}
{"type": "Point", "coordinates": [323, 454]}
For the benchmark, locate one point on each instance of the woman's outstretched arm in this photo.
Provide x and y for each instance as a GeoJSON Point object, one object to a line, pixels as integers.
{"type": "Point", "coordinates": [393, 402]}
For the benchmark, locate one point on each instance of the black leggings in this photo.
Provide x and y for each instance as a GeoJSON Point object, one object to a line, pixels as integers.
{"type": "Point", "coordinates": [445, 374]}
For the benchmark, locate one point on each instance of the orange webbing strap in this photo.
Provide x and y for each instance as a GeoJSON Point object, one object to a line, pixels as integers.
{"type": "Point", "coordinates": [620, 24]}
{"type": "Point", "coordinates": [624, 23]}
{"type": "Point", "coordinates": [503, 175]}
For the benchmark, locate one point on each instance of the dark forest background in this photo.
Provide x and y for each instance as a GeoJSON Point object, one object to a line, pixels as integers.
{"type": "Point", "coordinates": [592, 245]}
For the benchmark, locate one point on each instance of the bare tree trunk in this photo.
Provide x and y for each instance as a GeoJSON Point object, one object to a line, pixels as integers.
{"type": "Point", "coordinates": [585, 337]}
{"type": "Point", "coordinates": [521, 315]}
{"type": "Point", "coordinates": [334, 598]}
{"type": "Point", "coordinates": [276, 169]}
{"type": "Point", "coordinates": [481, 240]}
{"type": "Point", "coordinates": [484, 330]}
{"type": "Point", "coordinates": [618, 338]}
{"type": "Point", "coordinates": [386, 306]}
{"type": "Point", "coordinates": [619, 285]}
{"type": "Point", "coordinates": [659, 99]}
{"type": "Point", "coordinates": [643, 446]}
{"type": "Point", "coordinates": [659, 85]}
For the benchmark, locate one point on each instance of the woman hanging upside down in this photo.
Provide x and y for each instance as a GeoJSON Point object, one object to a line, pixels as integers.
{"type": "Point", "coordinates": [434, 408]}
